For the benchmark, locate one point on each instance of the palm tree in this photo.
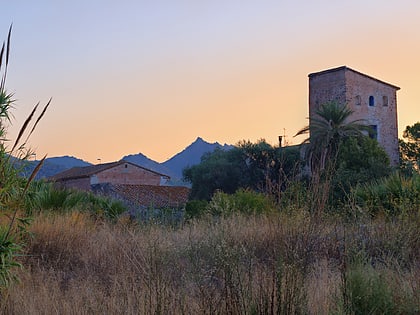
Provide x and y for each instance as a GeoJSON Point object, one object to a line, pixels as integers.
{"type": "Point", "coordinates": [327, 130]}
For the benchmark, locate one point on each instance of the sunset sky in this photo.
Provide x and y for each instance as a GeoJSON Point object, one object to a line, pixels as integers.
{"type": "Point", "coordinates": [151, 76]}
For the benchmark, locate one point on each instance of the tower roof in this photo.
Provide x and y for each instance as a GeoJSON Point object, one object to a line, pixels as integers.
{"type": "Point", "coordinates": [345, 68]}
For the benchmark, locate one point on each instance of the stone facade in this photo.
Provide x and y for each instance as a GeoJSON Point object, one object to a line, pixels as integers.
{"type": "Point", "coordinates": [371, 100]}
{"type": "Point", "coordinates": [128, 174]}
{"type": "Point", "coordinates": [75, 183]}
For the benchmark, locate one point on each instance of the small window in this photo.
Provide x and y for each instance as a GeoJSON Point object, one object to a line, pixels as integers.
{"type": "Point", "coordinates": [373, 132]}
{"type": "Point", "coordinates": [125, 165]}
{"type": "Point", "coordinates": [371, 101]}
{"type": "Point", "coordinates": [385, 100]}
{"type": "Point", "coordinates": [358, 100]}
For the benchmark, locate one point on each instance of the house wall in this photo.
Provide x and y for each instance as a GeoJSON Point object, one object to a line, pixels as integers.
{"type": "Point", "coordinates": [128, 174]}
{"type": "Point", "coordinates": [354, 89]}
{"type": "Point", "coordinates": [79, 183]}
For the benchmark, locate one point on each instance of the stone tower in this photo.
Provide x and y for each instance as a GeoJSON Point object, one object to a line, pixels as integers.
{"type": "Point", "coordinates": [370, 99]}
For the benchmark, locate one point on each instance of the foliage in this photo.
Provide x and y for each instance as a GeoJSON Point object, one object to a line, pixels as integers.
{"type": "Point", "coordinates": [195, 208]}
{"type": "Point", "coordinates": [331, 131]}
{"type": "Point", "coordinates": [270, 168]}
{"type": "Point", "coordinates": [368, 292]}
{"type": "Point", "coordinates": [258, 166]}
{"type": "Point", "coordinates": [12, 187]}
{"type": "Point", "coordinates": [247, 202]}
{"type": "Point", "coordinates": [46, 197]}
{"type": "Point", "coordinates": [360, 160]}
{"type": "Point", "coordinates": [410, 149]}
{"type": "Point", "coordinates": [393, 195]}
{"type": "Point", "coordinates": [9, 251]}
{"type": "Point", "coordinates": [328, 128]}
{"type": "Point", "coordinates": [217, 170]}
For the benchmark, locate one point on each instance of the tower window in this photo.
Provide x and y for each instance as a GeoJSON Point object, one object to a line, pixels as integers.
{"type": "Point", "coordinates": [358, 100]}
{"type": "Point", "coordinates": [385, 100]}
{"type": "Point", "coordinates": [371, 101]}
{"type": "Point", "coordinates": [373, 132]}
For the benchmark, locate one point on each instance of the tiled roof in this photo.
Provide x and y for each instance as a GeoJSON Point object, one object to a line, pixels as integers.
{"type": "Point", "coordinates": [153, 196]}
{"type": "Point", "coordinates": [87, 171]}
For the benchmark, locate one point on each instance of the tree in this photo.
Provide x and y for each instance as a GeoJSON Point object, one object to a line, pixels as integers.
{"type": "Point", "coordinates": [360, 160]}
{"type": "Point", "coordinates": [410, 148]}
{"type": "Point", "coordinates": [257, 166]}
{"type": "Point", "coordinates": [327, 129]}
{"type": "Point", "coordinates": [270, 168]}
{"type": "Point", "coordinates": [219, 170]}
{"type": "Point", "coordinates": [330, 126]}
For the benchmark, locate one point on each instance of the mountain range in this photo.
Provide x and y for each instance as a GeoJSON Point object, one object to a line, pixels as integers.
{"type": "Point", "coordinates": [173, 167]}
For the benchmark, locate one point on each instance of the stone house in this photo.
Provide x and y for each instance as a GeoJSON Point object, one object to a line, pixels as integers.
{"type": "Point", "coordinates": [120, 172]}
{"type": "Point", "coordinates": [137, 187]}
{"type": "Point", "coordinates": [371, 100]}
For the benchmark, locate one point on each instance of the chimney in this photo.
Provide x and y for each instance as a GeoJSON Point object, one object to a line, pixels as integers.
{"type": "Point", "coordinates": [280, 140]}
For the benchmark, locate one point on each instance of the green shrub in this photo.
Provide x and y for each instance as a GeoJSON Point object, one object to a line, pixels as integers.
{"type": "Point", "coordinates": [9, 251]}
{"type": "Point", "coordinates": [367, 291]}
{"type": "Point", "coordinates": [47, 197]}
{"type": "Point", "coordinates": [393, 195]}
{"type": "Point", "coordinates": [195, 208]}
{"type": "Point", "coordinates": [243, 201]}
{"type": "Point", "coordinates": [251, 202]}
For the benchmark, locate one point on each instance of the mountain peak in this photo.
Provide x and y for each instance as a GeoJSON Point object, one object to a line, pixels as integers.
{"type": "Point", "coordinates": [199, 140]}
{"type": "Point", "coordinates": [192, 154]}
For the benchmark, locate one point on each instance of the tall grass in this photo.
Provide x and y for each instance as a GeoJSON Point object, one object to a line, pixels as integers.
{"type": "Point", "coordinates": [242, 264]}
{"type": "Point", "coordinates": [12, 187]}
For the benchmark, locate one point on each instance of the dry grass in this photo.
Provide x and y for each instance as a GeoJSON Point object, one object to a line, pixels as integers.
{"type": "Point", "coordinates": [240, 265]}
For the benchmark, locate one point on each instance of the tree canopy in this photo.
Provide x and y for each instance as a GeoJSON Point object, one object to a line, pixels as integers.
{"type": "Point", "coordinates": [360, 160]}
{"type": "Point", "coordinates": [257, 166]}
{"type": "Point", "coordinates": [410, 148]}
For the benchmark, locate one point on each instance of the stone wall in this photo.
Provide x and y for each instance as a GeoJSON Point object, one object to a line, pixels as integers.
{"type": "Point", "coordinates": [77, 183]}
{"type": "Point", "coordinates": [372, 100]}
{"type": "Point", "coordinates": [382, 113]}
{"type": "Point", "coordinates": [128, 174]}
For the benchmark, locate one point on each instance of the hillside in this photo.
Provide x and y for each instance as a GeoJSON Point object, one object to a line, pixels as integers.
{"type": "Point", "coordinates": [55, 165]}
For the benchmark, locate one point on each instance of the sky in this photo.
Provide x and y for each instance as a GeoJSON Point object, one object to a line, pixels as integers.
{"type": "Point", "coordinates": [151, 76]}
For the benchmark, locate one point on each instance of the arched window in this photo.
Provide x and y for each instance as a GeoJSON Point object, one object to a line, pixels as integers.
{"type": "Point", "coordinates": [385, 100]}
{"type": "Point", "coordinates": [358, 100]}
{"type": "Point", "coordinates": [371, 101]}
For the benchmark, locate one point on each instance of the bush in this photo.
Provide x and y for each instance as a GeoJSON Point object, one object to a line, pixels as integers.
{"type": "Point", "coordinates": [46, 197]}
{"type": "Point", "coordinates": [393, 195]}
{"type": "Point", "coordinates": [195, 208]}
{"type": "Point", "coordinates": [243, 201]}
{"type": "Point", "coordinates": [367, 292]}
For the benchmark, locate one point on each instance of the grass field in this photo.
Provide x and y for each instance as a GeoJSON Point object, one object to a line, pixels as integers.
{"type": "Point", "coordinates": [267, 264]}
